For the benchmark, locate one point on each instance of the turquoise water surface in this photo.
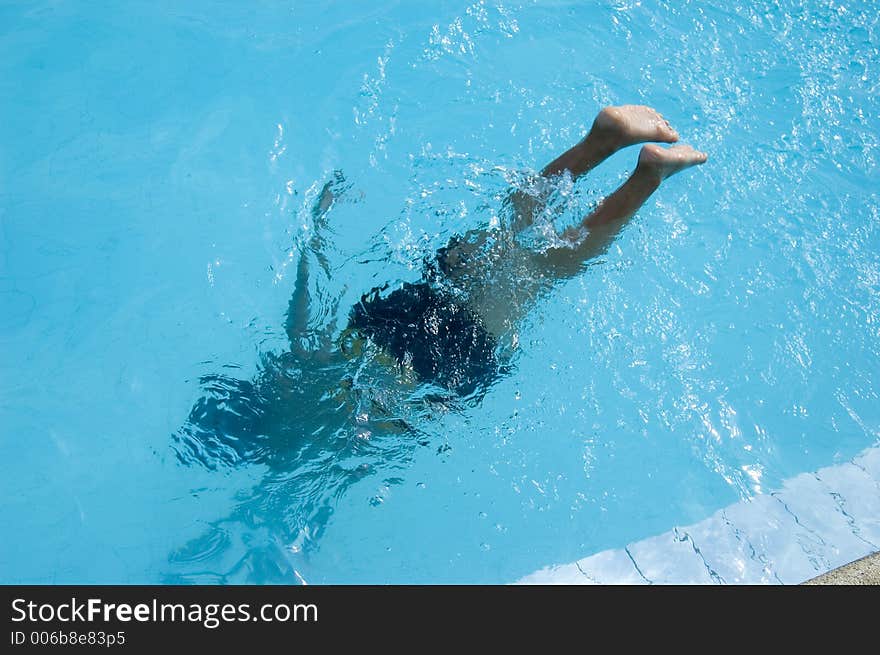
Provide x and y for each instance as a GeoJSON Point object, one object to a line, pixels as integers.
{"type": "Point", "coordinates": [159, 163]}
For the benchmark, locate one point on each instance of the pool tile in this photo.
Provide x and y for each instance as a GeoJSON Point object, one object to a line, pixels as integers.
{"type": "Point", "coordinates": [728, 552]}
{"type": "Point", "coordinates": [817, 511]}
{"type": "Point", "coordinates": [553, 575]}
{"type": "Point", "coordinates": [869, 461]}
{"type": "Point", "coordinates": [859, 496]}
{"type": "Point", "coordinates": [670, 558]}
{"type": "Point", "coordinates": [611, 567]}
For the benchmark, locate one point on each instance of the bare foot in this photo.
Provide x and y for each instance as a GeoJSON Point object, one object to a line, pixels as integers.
{"type": "Point", "coordinates": [663, 162]}
{"type": "Point", "coordinates": [630, 124]}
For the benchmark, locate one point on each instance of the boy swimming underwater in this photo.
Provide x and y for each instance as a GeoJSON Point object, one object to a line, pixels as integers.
{"type": "Point", "coordinates": [447, 328]}
{"type": "Point", "coordinates": [450, 332]}
{"type": "Point", "coordinates": [333, 409]}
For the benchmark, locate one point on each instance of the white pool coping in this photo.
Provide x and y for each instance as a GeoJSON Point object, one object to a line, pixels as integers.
{"type": "Point", "coordinates": [814, 523]}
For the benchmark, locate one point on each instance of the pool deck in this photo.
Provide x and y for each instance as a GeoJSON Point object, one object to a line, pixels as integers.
{"type": "Point", "coordinates": [820, 527]}
{"type": "Point", "coordinates": [865, 571]}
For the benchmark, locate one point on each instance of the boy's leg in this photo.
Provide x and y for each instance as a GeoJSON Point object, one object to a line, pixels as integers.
{"type": "Point", "coordinates": [596, 230]}
{"type": "Point", "coordinates": [613, 129]}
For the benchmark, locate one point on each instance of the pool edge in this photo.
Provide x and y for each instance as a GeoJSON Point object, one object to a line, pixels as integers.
{"type": "Point", "coordinates": [814, 525]}
{"type": "Point", "coordinates": [863, 571]}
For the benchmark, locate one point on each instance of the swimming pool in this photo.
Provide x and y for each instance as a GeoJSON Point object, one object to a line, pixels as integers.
{"type": "Point", "coordinates": [158, 164]}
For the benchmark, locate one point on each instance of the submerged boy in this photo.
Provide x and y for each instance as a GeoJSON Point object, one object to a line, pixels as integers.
{"type": "Point", "coordinates": [448, 328]}
{"type": "Point", "coordinates": [313, 416]}
{"type": "Point", "coordinates": [450, 332]}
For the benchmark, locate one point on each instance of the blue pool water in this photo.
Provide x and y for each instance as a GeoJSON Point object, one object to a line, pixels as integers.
{"type": "Point", "coordinates": [158, 165]}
